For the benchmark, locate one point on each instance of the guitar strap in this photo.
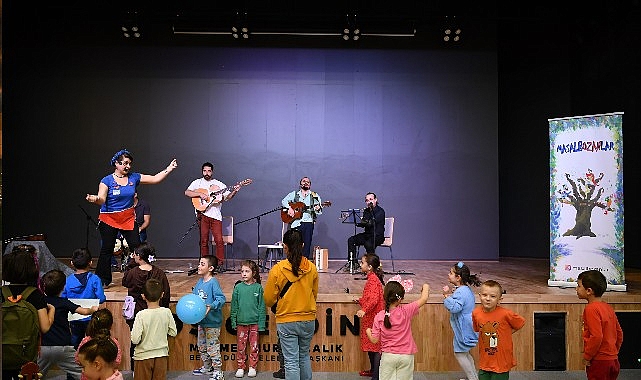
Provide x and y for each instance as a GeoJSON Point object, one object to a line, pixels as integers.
{"type": "Point", "coordinates": [313, 196]}
{"type": "Point", "coordinates": [310, 209]}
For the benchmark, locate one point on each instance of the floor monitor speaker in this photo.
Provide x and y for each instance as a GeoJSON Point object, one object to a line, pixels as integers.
{"type": "Point", "coordinates": [549, 342]}
{"type": "Point", "coordinates": [630, 352]}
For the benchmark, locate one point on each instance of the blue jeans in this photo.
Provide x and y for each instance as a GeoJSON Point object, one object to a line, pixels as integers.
{"type": "Point", "coordinates": [295, 339]}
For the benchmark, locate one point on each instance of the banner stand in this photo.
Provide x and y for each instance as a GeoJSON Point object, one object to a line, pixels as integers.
{"type": "Point", "coordinates": [586, 199]}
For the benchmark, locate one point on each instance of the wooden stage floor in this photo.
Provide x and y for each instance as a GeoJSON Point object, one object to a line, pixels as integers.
{"type": "Point", "coordinates": [524, 280]}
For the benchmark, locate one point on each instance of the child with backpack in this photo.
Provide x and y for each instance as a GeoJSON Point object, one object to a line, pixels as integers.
{"type": "Point", "coordinates": [85, 285]}
{"type": "Point", "coordinates": [25, 313]}
{"type": "Point", "coordinates": [56, 343]}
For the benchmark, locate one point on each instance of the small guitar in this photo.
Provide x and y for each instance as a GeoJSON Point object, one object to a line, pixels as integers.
{"type": "Point", "coordinates": [215, 196]}
{"type": "Point", "coordinates": [299, 209]}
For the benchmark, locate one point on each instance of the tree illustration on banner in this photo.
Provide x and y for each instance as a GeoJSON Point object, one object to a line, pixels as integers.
{"type": "Point", "coordinates": [583, 199]}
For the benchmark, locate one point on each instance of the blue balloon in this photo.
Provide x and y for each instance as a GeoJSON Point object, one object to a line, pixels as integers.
{"type": "Point", "coordinates": [191, 309]}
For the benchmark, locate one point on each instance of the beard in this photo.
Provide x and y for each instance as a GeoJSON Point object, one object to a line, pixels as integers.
{"type": "Point", "coordinates": [305, 187]}
{"type": "Point", "coordinates": [207, 177]}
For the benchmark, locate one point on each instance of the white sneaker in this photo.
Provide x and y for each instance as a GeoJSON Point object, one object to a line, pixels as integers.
{"type": "Point", "coordinates": [241, 372]}
{"type": "Point", "coordinates": [251, 372]}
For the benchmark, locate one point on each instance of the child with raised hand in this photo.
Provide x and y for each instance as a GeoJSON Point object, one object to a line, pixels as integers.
{"type": "Point", "coordinates": [56, 345]}
{"type": "Point", "coordinates": [393, 328]}
{"type": "Point", "coordinates": [371, 303]}
{"type": "Point", "coordinates": [97, 357]}
{"type": "Point", "coordinates": [208, 338]}
{"type": "Point", "coordinates": [82, 284]}
{"type": "Point", "coordinates": [149, 334]}
{"type": "Point", "coordinates": [602, 333]}
{"type": "Point", "coordinates": [460, 304]}
{"type": "Point", "coordinates": [247, 316]}
{"type": "Point", "coordinates": [496, 325]}
{"type": "Point", "coordinates": [100, 324]}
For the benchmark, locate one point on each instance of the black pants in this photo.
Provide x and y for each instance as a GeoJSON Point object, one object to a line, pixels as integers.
{"type": "Point", "coordinates": [364, 239]}
{"type": "Point", "coordinates": [108, 236]}
{"type": "Point", "coordinates": [375, 362]}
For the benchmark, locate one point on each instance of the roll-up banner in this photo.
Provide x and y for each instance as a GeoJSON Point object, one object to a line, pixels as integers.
{"type": "Point", "coordinates": [586, 199]}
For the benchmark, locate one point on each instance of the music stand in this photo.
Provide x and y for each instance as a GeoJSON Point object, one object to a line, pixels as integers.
{"type": "Point", "coordinates": [350, 216]}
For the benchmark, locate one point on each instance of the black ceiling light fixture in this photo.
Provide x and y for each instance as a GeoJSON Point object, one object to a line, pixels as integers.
{"type": "Point", "coordinates": [451, 30]}
{"type": "Point", "coordinates": [351, 31]}
{"type": "Point", "coordinates": [240, 28]}
{"type": "Point", "coordinates": [130, 27]}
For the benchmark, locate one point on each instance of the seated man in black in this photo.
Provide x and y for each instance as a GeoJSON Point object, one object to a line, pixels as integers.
{"type": "Point", "coordinates": [374, 235]}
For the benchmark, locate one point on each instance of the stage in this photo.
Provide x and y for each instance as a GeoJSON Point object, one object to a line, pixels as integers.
{"type": "Point", "coordinates": [336, 347]}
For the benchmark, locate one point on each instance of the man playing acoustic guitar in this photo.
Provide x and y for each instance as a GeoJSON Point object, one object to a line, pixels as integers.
{"type": "Point", "coordinates": [305, 220]}
{"type": "Point", "coordinates": [209, 214]}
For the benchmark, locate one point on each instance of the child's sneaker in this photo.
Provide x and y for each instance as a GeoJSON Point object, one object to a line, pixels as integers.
{"type": "Point", "coordinates": [202, 371]}
{"type": "Point", "coordinates": [251, 372]}
{"type": "Point", "coordinates": [240, 372]}
{"type": "Point", "coordinates": [217, 375]}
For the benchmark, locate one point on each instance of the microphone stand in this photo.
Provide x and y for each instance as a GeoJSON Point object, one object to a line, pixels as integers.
{"type": "Point", "coordinates": [257, 217]}
{"type": "Point", "coordinates": [89, 220]}
{"type": "Point", "coordinates": [191, 271]}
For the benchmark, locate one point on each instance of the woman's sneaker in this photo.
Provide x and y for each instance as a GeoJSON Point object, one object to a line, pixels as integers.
{"type": "Point", "coordinates": [240, 372]}
{"type": "Point", "coordinates": [251, 372]}
{"type": "Point", "coordinates": [202, 371]}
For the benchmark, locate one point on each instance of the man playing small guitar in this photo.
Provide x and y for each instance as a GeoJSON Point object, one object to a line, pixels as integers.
{"type": "Point", "coordinates": [313, 208]}
{"type": "Point", "coordinates": [210, 216]}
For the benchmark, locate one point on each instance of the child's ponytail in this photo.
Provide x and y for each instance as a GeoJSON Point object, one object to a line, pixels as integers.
{"type": "Point", "coordinates": [392, 293]}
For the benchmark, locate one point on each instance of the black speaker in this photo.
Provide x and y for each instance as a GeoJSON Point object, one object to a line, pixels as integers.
{"type": "Point", "coordinates": [549, 342]}
{"type": "Point", "coordinates": [630, 352]}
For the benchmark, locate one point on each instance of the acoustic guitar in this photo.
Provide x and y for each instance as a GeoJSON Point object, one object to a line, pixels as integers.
{"type": "Point", "coordinates": [215, 196]}
{"type": "Point", "coordinates": [299, 209]}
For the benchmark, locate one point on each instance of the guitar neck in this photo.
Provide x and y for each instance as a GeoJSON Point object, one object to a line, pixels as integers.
{"type": "Point", "coordinates": [214, 193]}
{"type": "Point", "coordinates": [322, 204]}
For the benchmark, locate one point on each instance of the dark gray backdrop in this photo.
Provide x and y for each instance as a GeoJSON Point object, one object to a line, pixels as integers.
{"type": "Point", "coordinates": [419, 128]}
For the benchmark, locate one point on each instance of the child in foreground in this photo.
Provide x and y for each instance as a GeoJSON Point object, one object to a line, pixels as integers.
{"type": "Point", "coordinates": [496, 325]}
{"type": "Point", "coordinates": [97, 358]}
{"type": "Point", "coordinates": [82, 284]}
{"type": "Point", "coordinates": [602, 333]}
{"type": "Point", "coordinates": [393, 328]}
{"type": "Point", "coordinates": [208, 340]}
{"type": "Point", "coordinates": [460, 304]}
{"type": "Point", "coordinates": [151, 328]}
{"type": "Point", "coordinates": [247, 316]}
{"type": "Point", "coordinates": [56, 348]}
{"type": "Point", "coordinates": [99, 325]}
{"type": "Point", "coordinates": [371, 303]}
